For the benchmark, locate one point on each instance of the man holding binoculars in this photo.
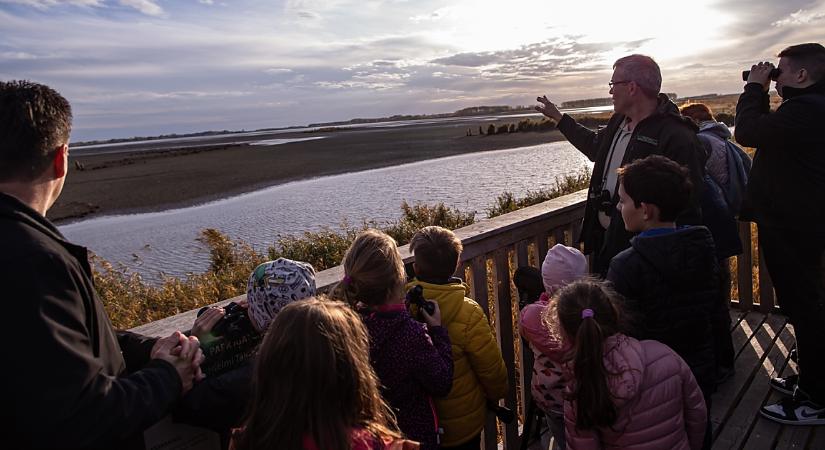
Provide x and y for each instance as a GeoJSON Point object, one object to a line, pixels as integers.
{"type": "Point", "coordinates": [785, 197]}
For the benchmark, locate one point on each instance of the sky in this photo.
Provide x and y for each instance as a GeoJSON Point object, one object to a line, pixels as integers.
{"type": "Point", "coordinates": [150, 67]}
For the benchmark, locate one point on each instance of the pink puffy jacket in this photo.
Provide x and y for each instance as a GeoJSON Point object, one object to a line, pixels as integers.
{"type": "Point", "coordinates": [547, 385]}
{"type": "Point", "coordinates": [659, 403]}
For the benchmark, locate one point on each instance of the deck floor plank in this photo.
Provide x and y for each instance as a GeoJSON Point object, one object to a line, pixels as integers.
{"type": "Point", "coordinates": [758, 433]}
{"type": "Point", "coordinates": [740, 398]}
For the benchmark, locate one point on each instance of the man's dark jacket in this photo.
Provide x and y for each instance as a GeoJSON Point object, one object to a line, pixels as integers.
{"type": "Point", "coordinates": [65, 379]}
{"type": "Point", "coordinates": [671, 283]}
{"type": "Point", "coordinates": [786, 188]}
{"type": "Point", "coordinates": [664, 133]}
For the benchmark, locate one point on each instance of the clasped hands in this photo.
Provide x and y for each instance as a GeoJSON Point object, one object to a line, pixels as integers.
{"type": "Point", "coordinates": [184, 354]}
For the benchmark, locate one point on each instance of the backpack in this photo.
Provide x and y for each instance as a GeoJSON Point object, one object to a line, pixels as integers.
{"type": "Point", "coordinates": [739, 167]}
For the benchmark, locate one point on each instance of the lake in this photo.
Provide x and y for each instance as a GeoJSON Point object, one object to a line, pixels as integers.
{"type": "Point", "coordinates": [166, 242]}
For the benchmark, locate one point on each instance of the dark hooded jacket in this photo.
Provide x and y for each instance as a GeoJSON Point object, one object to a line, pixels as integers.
{"type": "Point", "coordinates": [70, 379]}
{"type": "Point", "coordinates": [671, 283]}
{"type": "Point", "coordinates": [413, 366]}
{"type": "Point", "coordinates": [786, 188]}
{"type": "Point", "coordinates": [666, 133]}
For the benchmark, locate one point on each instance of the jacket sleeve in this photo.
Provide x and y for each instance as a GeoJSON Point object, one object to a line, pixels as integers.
{"type": "Point", "coordinates": [583, 138]}
{"type": "Point", "coordinates": [136, 349]}
{"type": "Point", "coordinates": [577, 439]}
{"type": "Point", "coordinates": [757, 126]}
{"type": "Point", "coordinates": [536, 333]}
{"type": "Point", "coordinates": [485, 355]}
{"type": "Point", "coordinates": [433, 364]}
{"type": "Point", "coordinates": [64, 392]}
{"type": "Point", "coordinates": [217, 402]}
{"type": "Point", "coordinates": [694, 406]}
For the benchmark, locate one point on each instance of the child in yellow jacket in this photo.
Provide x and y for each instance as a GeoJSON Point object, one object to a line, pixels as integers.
{"type": "Point", "coordinates": [480, 374]}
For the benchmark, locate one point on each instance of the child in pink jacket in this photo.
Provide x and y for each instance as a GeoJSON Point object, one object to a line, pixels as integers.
{"type": "Point", "coordinates": [623, 393]}
{"type": "Point", "coordinates": [561, 266]}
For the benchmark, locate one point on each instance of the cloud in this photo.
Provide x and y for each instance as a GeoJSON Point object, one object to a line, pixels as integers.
{"type": "Point", "coordinates": [44, 4]}
{"type": "Point", "coordinates": [148, 7]}
{"type": "Point", "coordinates": [800, 17]}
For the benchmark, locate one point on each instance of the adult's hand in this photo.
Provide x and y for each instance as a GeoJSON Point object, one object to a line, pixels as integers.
{"type": "Point", "coordinates": [433, 320]}
{"type": "Point", "coordinates": [548, 108]}
{"type": "Point", "coordinates": [761, 73]}
{"type": "Point", "coordinates": [184, 354]}
{"type": "Point", "coordinates": [206, 321]}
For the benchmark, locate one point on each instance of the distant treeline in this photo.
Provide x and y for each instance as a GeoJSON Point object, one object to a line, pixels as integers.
{"type": "Point", "coordinates": [588, 120]}
{"type": "Point", "coordinates": [471, 111]}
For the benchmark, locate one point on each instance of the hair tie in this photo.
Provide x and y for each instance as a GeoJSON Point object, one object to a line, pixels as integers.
{"type": "Point", "coordinates": [346, 279]}
{"type": "Point", "coordinates": [587, 312]}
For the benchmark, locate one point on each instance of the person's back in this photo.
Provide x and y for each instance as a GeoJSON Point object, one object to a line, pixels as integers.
{"type": "Point", "coordinates": [659, 405]}
{"type": "Point", "coordinates": [671, 282]}
{"type": "Point", "coordinates": [479, 373]}
{"type": "Point", "coordinates": [623, 393]}
{"type": "Point", "coordinates": [413, 362]}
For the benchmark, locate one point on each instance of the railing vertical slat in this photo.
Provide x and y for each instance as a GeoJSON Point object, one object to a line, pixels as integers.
{"type": "Point", "coordinates": [744, 271]}
{"type": "Point", "coordinates": [541, 247]}
{"type": "Point", "coordinates": [526, 362]}
{"type": "Point", "coordinates": [558, 233]}
{"type": "Point", "coordinates": [504, 325]}
{"type": "Point", "coordinates": [481, 296]}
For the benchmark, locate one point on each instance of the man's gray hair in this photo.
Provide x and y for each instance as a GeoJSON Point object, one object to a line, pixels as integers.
{"type": "Point", "coordinates": [643, 70]}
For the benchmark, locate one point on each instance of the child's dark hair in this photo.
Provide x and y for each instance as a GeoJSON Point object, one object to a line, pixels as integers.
{"type": "Point", "coordinates": [373, 270]}
{"type": "Point", "coordinates": [659, 181]}
{"type": "Point", "coordinates": [436, 251]}
{"type": "Point", "coordinates": [313, 378]}
{"type": "Point", "coordinates": [587, 312]}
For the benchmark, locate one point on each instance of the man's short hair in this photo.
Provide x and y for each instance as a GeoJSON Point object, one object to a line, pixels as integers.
{"type": "Point", "coordinates": [699, 112]}
{"type": "Point", "coordinates": [810, 56]}
{"type": "Point", "coordinates": [643, 70]}
{"type": "Point", "coordinates": [659, 181]}
{"type": "Point", "coordinates": [436, 252]}
{"type": "Point", "coordinates": [34, 121]}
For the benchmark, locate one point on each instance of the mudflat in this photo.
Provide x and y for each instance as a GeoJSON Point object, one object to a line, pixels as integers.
{"type": "Point", "coordinates": [155, 178]}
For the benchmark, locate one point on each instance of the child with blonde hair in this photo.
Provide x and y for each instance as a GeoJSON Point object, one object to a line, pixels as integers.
{"type": "Point", "coordinates": [623, 393]}
{"type": "Point", "coordinates": [413, 362]}
{"type": "Point", "coordinates": [313, 387]}
{"type": "Point", "coordinates": [561, 266]}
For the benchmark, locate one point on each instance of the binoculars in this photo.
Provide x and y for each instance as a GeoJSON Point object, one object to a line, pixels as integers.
{"type": "Point", "coordinates": [773, 75]}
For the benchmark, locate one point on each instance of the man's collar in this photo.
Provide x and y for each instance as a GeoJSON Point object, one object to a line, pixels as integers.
{"type": "Point", "coordinates": [789, 92]}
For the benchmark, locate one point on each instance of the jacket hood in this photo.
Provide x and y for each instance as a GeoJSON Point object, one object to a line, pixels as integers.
{"type": "Point", "coordinates": [717, 128]}
{"type": "Point", "coordinates": [789, 92]}
{"type": "Point", "coordinates": [450, 297]}
{"type": "Point", "coordinates": [624, 357]}
{"type": "Point", "coordinates": [666, 107]}
{"type": "Point", "coordinates": [675, 254]}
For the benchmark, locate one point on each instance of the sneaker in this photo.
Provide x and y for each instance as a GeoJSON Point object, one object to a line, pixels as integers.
{"type": "Point", "coordinates": [785, 385]}
{"type": "Point", "coordinates": [791, 411]}
{"type": "Point", "coordinates": [793, 355]}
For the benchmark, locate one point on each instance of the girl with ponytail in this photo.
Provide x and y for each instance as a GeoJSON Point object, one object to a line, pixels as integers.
{"type": "Point", "coordinates": [623, 393]}
{"type": "Point", "coordinates": [414, 362]}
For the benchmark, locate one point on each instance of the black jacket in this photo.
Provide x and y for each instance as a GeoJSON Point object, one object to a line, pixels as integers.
{"type": "Point", "coordinates": [786, 188]}
{"type": "Point", "coordinates": [671, 284]}
{"type": "Point", "coordinates": [65, 378]}
{"type": "Point", "coordinates": [665, 133]}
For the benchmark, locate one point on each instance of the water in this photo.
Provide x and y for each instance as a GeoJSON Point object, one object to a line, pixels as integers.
{"type": "Point", "coordinates": [166, 241]}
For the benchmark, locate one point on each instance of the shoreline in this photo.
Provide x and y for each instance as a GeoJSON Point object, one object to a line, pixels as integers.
{"type": "Point", "coordinates": [158, 179]}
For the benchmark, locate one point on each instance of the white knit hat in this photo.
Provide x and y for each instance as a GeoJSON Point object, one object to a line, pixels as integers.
{"type": "Point", "coordinates": [562, 266]}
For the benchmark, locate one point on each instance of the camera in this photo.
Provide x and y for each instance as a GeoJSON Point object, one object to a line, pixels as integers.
{"type": "Point", "coordinates": [773, 75]}
{"type": "Point", "coordinates": [235, 321]}
{"type": "Point", "coordinates": [415, 296]}
{"type": "Point", "coordinates": [603, 200]}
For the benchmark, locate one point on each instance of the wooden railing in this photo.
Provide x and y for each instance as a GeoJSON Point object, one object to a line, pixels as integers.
{"type": "Point", "coordinates": [493, 249]}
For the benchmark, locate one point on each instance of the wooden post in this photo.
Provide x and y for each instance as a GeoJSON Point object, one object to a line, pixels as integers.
{"type": "Point", "coordinates": [504, 325]}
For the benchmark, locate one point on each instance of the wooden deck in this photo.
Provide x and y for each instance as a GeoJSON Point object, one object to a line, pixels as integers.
{"type": "Point", "coordinates": [762, 342]}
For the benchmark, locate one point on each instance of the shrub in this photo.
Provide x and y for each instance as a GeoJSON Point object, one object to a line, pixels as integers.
{"type": "Point", "coordinates": [567, 184]}
{"type": "Point", "coordinates": [491, 129]}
